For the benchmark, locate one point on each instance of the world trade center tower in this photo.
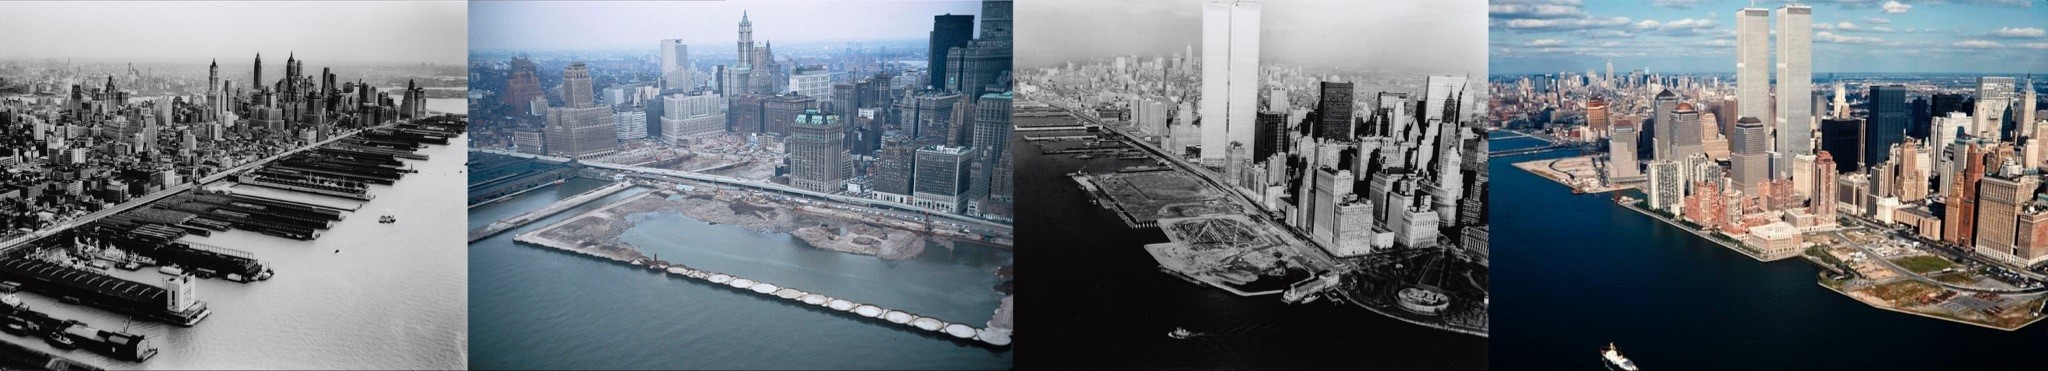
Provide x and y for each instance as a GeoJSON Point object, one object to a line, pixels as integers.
{"type": "Point", "coordinates": [1795, 87]}
{"type": "Point", "coordinates": [1230, 76]}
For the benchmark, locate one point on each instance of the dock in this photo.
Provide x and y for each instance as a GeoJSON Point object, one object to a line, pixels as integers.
{"type": "Point", "coordinates": [521, 220]}
{"type": "Point", "coordinates": [960, 332]}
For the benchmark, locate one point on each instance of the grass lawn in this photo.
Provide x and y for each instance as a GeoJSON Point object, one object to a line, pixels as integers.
{"type": "Point", "coordinates": [1923, 264]}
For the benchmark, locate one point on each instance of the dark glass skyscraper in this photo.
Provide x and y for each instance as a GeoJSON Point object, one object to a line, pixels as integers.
{"type": "Point", "coordinates": [1887, 124]}
{"type": "Point", "coordinates": [1843, 138]}
{"type": "Point", "coordinates": [948, 31]}
{"type": "Point", "coordinates": [1335, 109]}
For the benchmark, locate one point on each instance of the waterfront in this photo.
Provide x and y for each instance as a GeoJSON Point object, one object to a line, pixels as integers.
{"type": "Point", "coordinates": [363, 295]}
{"type": "Point", "coordinates": [1094, 280]}
{"type": "Point", "coordinates": [604, 313]}
{"type": "Point", "coordinates": [1670, 299]}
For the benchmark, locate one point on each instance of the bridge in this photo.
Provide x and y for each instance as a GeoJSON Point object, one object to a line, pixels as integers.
{"type": "Point", "coordinates": [765, 186]}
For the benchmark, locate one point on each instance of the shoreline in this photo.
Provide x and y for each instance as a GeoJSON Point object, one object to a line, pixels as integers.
{"type": "Point", "coordinates": [1728, 245]}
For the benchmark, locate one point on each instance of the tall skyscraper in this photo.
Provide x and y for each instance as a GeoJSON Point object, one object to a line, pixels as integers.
{"type": "Point", "coordinates": [1887, 125]}
{"type": "Point", "coordinates": [256, 77]}
{"type": "Point", "coordinates": [1752, 64]}
{"type": "Point", "coordinates": [675, 65]}
{"type": "Point", "coordinates": [1822, 205]}
{"type": "Point", "coordinates": [1685, 132]}
{"type": "Point", "coordinates": [1795, 87]}
{"type": "Point", "coordinates": [1621, 154]}
{"type": "Point", "coordinates": [1748, 164]}
{"type": "Point", "coordinates": [1994, 97]}
{"type": "Point", "coordinates": [1662, 125]}
{"type": "Point", "coordinates": [686, 116]}
{"type": "Point", "coordinates": [1230, 74]}
{"type": "Point", "coordinates": [817, 153]}
{"type": "Point", "coordinates": [1335, 108]}
{"type": "Point", "coordinates": [941, 179]}
{"type": "Point", "coordinates": [1843, 136]}
{"type": "Point", "coordinates": [948, 31]}
{"type": "Point", "coordinates": [577, 89]}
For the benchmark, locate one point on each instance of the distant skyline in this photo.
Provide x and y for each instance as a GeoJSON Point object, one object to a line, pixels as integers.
{"type": "Point", "coordinates": [1442, 37]}
{"type": "Point", "coordinates": [328, 33]}
{"type": "Point", "coordinates": [501, 26]}
{"type": "Point", "coordinates": [1697, 36]}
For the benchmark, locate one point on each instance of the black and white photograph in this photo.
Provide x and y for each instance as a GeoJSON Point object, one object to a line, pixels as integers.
{"type": "Point", "coordinates": [1246, 184]}
{"type": "Point", "coordinates": [232, 185]}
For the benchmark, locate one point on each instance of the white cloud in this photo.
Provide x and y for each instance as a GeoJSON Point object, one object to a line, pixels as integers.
{"type": "Point", "coordinates": [1878, 20]}
{"type": "Point", "coordinates": [1978, 44]}
{"type": "Point", "coordinates": [1546, 42]}
{"type": "Point", "coordinates": [2040, 46]}
{"type": "Point", "coordinates": [1895, 7]}
{"type": "Point", "coordinates": [1565, 24]}
{"type": "Point", "coordinates": [2014, 32]}
{"type": "Point", "coordinates": [1830, 37]}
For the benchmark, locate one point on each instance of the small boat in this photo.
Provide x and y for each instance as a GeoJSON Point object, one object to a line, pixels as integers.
{"type": "Point", "coordinates": [1181, 333]}
{"type": "Point", "coordinates": [60, 340]}
{"type": "Point", "coordinates": [1612, 357]}
{"type": "Point", "coordinates": [387, 219]}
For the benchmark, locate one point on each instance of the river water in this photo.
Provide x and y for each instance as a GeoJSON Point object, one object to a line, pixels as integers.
{"type": "Point", "coordinates": [600, 314]}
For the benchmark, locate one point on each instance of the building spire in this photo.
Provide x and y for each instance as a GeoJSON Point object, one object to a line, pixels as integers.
{"type": "Point", "coordinates": [743, 18]}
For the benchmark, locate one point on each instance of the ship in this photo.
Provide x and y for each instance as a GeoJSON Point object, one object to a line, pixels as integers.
{"type": "Point", "coordinates": [387, 219]}
{"type": "Point", "coordinates": [1182, 333]}
{"type": "Point", "coordinates": [1612, 357]}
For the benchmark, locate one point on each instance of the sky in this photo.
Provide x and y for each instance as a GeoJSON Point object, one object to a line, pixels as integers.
{"type": "Point", "coordinates": [360, 32]}
{"type": "Point", "coordinates": [1436, 36]}
{"type": "Point", "coordinates": [582, 25]}
{"type": "Point", "coordinates": [1929, 36]}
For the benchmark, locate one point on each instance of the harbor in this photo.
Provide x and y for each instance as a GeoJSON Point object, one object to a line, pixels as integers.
{"type": "Point", "coordinates": [189, 265]}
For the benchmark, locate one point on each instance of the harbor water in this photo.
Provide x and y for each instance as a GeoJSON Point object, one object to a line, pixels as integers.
{"type": "Point", "coordinates": [601, 314]}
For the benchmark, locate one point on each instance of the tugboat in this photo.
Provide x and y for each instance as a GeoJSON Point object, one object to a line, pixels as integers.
{"type": "Point", "coordinates": [387, 219]}
{"type": "Point", "coordinates": [1181, 333]}
{"type": "Point", "coordinates": [1612, 357]}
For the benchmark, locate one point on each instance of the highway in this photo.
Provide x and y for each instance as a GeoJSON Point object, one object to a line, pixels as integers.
{"type": "Point", "coordinates": [772, 187]}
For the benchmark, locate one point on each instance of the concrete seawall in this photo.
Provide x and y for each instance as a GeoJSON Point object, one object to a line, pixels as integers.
{"type": "Point", "coordinates": [992, 337]}
{"type": "Point", "coordinates": [520, 220]}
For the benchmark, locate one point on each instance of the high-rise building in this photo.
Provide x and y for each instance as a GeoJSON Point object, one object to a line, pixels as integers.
{"type": "Point", "coordinates": [1994, 97]}
{"type": "Point", "coordinates": [1667, 186]}
{"type": "Point", "coordinates": [1661, 127]}
{"type": "Point", "coordinates": [675, 65]}
{"type": "Point", "coordinates": [577, 89]}
{"type": "Point", "coordinates": [948, 31]}
{"type": "Point", "coordinates": [1748, 162]}
{"type": "Point", "coordinates": [941, 179]}
{"type": "Point", "coordinates": [523, 85]}
{"type": "Point", "coordinates": [687, 116]}
{"type": "Point", "coordinates": [1621, 152]}
{"type": "Point", "coordinates": [1685, 132]}
{"type": "Point", "coordinates": [1271, 135]}
{"type": "Point", "coordinates": [1960, 225]}
{"type": "Point", "coordinates": [630, 123]}
{"type": "Point", "coordinates": [1822, 204]}
{"type": "Point", "coordinates": [893, 169]}
{"type": "Point", "coordinates": [1844, 137]}
{"type": "Point", "coordinates": [1230, 74]}
{"type": "Point", "coordinates": [1334, 106]}
{"type": "Point", "coordinates": [2000, 198]}
{"type": "Point", "coordinates": [812, 81]}
{"type": "Point", "coordinates": [992, 142]}
{"type": "Point", "coordinates": [1596, 117]}
{"type": "Point", "coordinates": [818, 161]}
{"type": "Point", "coordinates": [1887, 124]}
{"type": "Point", "coordinates": [1795, 87]}
{"type": "Point", "coordinates": [1752, 64]}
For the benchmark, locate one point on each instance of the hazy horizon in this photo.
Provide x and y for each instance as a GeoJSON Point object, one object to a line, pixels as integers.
{"type": "Point", "coordinates": [325, 33]}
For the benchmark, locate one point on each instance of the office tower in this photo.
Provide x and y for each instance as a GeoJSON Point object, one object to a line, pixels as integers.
{"type": "Point", "coordinates": [1442, 95]}
{"type": "Point", "coordinates": [893, 171]}
{"type": "Point", "coordinates": [992, 140]}
{"type": "Point", "coordinates": [1994, 97]}
{"type": "Point", "coordinates": [1685, 132]}
{"type": "Point", "coordinates": [631, 123]}
{"type": "Point", "coordinates": [2000, 198]}
{"type": "Point", "coordinates": [1887, 124]}
{"type": "Point", "coordinates": [688, 116]}
{"type": "Point", "coordinates": [1822, 204]}
{"type": "Point", "coordinates": [1660, 129]}
{"type": "Point", "coordinates": [940, 179]}
{"type": "Point", "coordinates": [817, 153]}
{"type": "Point", "coordinates": [1960, 225]}
{"type": "Point", "coordinates": [754, 71]}
{"type": "Point", "coordinates": [1748, 164]}
{"type": "Point", "coordinates": [1752, 64]}
{"type": "Point", "coordinates": [523, 85]}
{"type": "Point", "coordinates": [1667, 186]}
{"type": "Point", "coordinates": [1271, 135]}
{"type": "Point", "coordinates": [1230, 74]}
{"type": "Point", "coordinates": [675, 65]}
{"type": "Point", "coordinates": [1334, 106]}
{"type": "Point", "coordinates": [928, 115]}
{"type": "Point", "coordinates": [996, 20]}
{"type": "Point", "coordinates": [213, 79]}
{"type": "Point", "coordinates": [1841, 104]}
{"type": "Point", "coordinates": [1923, 119]}
{"type": "Point", "coordinates": [577, 91]}
{"type": "Point", "coordinates": [1596, 116]}
{"type": "Point", "coordinates": [256, 77]}
{"type": "Point", "coordinates": [583, 129]}
{"type": "Point", "coordinates": [1795, 87]}
{"type": "Point", "coordinates": [1621, 152]}
{"type": "Point", "coordinates": [1843, 136]}
{"type": "Point", "coordinates": [948, 31]}
{"type": "Point", "coordinates": [1912, 179]}
{"type": "Point", "coordinates": [812, 81]}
